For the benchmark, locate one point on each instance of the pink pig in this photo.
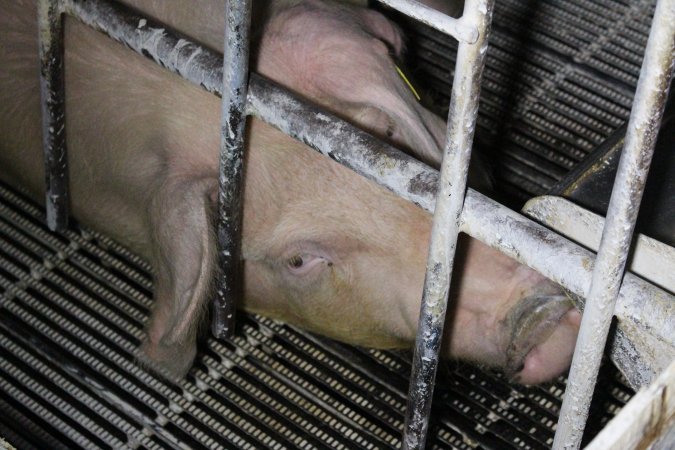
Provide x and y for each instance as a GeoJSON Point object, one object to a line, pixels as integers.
{"type": "Point", "coordinates": [323, 248]}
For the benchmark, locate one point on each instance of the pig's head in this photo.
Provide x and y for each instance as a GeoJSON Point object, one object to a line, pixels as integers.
{"type": "Point", "coordinates": [324, 248]}
{"type": "Point", "coordinates": [347, 60]}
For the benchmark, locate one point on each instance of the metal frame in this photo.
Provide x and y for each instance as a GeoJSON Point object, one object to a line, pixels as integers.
{"type": "Point", "coordinates": [461, 209]}
{"type": "Point", "coordinates": [233, 127]}
{"type": "Point", "coordinates": [643, 127]}
{"type": "Point", "coordinates": [647, 421]}
{"type": "Point", "coordinates": [447, 218]}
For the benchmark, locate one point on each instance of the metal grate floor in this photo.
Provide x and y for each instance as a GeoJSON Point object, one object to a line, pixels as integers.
{"type": "Point", "coordinates": [72, 307]}
{"type": "Point", "coordinates": [559, 79]}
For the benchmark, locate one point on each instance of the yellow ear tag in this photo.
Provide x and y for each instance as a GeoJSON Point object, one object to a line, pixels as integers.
{"type": "Point", "coordinates": [412, 89]}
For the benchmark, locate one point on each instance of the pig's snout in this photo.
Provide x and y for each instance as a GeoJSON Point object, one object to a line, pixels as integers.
{"type": "Point", "coordinates": [540, 332]}
{"type": "Point", "coordinates": [506, 316]}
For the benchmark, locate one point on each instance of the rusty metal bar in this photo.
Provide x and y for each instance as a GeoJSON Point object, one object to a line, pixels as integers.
{"type": "Point", "coordinates": [230, 174]}
{"type": "Point", "coordinates": [643, 127]}
{"type": "Point", "coordinates": [461, 29]}
{"type": "Point", "coordinates": [445, 228]}
{"type": "Point", "coordinates": [50, 32]}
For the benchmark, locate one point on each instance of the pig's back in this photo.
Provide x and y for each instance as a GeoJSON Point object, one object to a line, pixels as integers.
{"type": "Point", "coordinates": [127, 121]}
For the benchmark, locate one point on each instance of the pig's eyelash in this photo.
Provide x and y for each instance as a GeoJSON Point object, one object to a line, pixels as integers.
{"type": "Point", "coordinates": [295, 261]}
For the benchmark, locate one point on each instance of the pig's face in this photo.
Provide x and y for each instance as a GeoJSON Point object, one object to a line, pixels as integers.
{"type": "Point", "coordinates": [334, 254]}
{"type": "Point", "coordinates": [331, 252]}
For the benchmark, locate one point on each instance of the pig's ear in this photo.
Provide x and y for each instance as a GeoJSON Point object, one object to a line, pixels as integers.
{"type": "Point", "coordinates": [184, 260]}
{"type": "Point", "coordinates": [414, 130]}
{"type": "Point", "coordinates": [385, 30]}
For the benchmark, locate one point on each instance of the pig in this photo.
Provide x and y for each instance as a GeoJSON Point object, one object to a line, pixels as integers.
{"type": "Point", "coordinates": [323, 248]}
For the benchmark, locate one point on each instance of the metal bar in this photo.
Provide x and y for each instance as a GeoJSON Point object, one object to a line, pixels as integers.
{"type": "Point", "coordinates": [50, 27]}
{"type": "Point", "coordinates": [643, 127]}
{"type": "Point", "coordinates": [343, 142]}
{"type": "Point", "coordinates": [206, 69]}
{"type": "Point", "coordinates": [230, 175]}
{"type": "Point", "coordinates": [644, 420]}
{"type": "Point", "coordinates": [652, 260]}
{"type": "Point", "coordinates": [153, 40]}
{"type": "Point", "coordinates": [461, 29]}
{"type": "Point", "coordinates": [482, 218]}
{"type": "Point", "coordinates": [445, 227]}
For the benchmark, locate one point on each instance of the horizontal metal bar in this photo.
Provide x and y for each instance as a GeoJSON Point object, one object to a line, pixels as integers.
{"type": "Point", "coordinates": [50, 38]}
{"type": "Point", "coordinates": [343, 142]}
{"type": "Point", "coordinates": [652, 260]}
{"type": "Point", "coordinates": [642, 322]}
{"type": "Point", "coordinates": [457, 28]}
{"type": "Point", "coordinates": [170, 49]}
{"type": "Point", "coordinates": [617, 235]}
{"type": "Point", "coordinates": [460, 29]}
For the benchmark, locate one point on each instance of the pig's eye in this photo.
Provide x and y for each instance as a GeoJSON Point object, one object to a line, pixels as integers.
{"type": "Point", "coordinates": [304, 263]}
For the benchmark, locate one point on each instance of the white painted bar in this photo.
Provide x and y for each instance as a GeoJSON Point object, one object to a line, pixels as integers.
{"type": "Point", "coordinates": [651, 259]}
{"type": "Point", "coordinates": [650, 413]}
{"type": "Point", "coordinates": [642, 130]}
{"type": "Point", "coordinates": [457, 28]}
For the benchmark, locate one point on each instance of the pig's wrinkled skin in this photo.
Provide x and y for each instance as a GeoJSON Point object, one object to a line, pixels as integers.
{"type": "Point", "coordinates": [323, 248]}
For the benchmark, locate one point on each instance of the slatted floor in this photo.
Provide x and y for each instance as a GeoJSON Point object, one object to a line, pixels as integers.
{"type": "Point", "coordinates": [72, 307]}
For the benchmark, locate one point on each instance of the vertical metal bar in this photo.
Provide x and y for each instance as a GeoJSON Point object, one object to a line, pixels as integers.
{"type": "Point", "coordinates": [235, 88]}
{"type": "Point", "coordinates": [445, 228]}
{"type": "Point", "coordinates": [643, 126]}
{"type": "Point", "coordinates": [50, 38]}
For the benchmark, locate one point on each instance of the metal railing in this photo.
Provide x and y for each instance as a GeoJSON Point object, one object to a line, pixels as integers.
{"type": "Point", "coordinates": [457, 209]}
